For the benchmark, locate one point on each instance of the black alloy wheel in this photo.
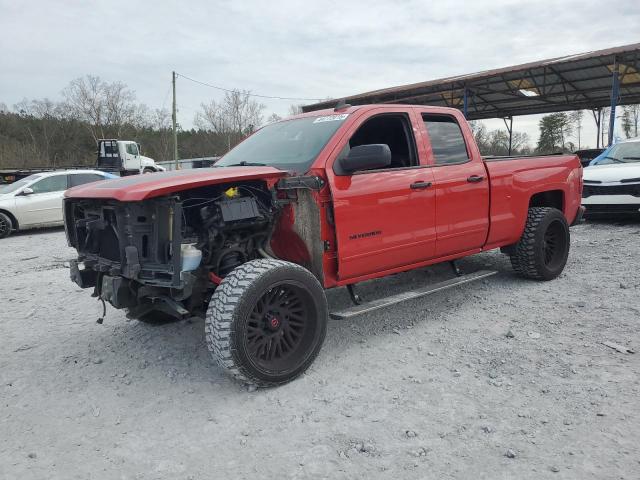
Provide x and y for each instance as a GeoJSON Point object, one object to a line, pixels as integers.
{"type": "Point", "coordinates": [543, 249]}
{"type": "Point", "coordinates": [554, 244]}
{"type": "Point", "coordinates": [266, 321]}
{"type": "Point", "coordinates": [279, 327]}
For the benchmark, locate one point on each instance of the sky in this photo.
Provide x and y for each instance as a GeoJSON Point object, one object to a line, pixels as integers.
{"type": "Point", "coordinates": [311, 49]}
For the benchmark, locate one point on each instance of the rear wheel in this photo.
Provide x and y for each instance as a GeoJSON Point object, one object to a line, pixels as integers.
{"type": "Point", "coordinates": [543, 249]}
{"type": "Point", "coordinates": [6, 225]}
{"type": "Point", "coordinates": [266, 322]}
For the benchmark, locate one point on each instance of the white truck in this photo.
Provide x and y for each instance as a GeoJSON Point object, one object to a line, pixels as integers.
{"type": "Point", "coordinates": [123, 157]}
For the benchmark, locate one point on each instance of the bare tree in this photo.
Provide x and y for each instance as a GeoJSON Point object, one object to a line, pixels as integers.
{"type": "Point", "coordinates": [274, 117]}
{"type": "Point", "coordinates": [566, 130]}
{"type": "Point", "coordinates": [84, 102]}
{"type": "Point", "coordinates": [236, 116]}
{"type": "Point", "coordinates": [245, 113]}
{"type": "Point", "coordinates": [480, 134]}
{"type": "Point", "coordinates": [630, 120]}
{"type": "Point", "coordinates": [49, 113]}
{"type": "Point", "coordinates": [105, 107]}
{"type": "Point", "coordinates": [161, 122]}
{"type": "Point", "coordinates": [519, 141]}
{"type": "Point", "coordinates": [295, 109]}
{"type": "Point", "coordinates": [575, 118]}
{"type": "Point", "coordinates": [120, 107]}
{"type": "Point", "coordinates": [212, 117]}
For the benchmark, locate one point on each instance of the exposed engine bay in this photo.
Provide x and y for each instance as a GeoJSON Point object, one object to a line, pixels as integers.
{"type": "Point", "coordinates": [168, 253]}
{"type": "Point", "coordinates": [231, 228]}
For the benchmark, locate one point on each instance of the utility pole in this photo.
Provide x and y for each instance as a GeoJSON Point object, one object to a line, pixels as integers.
{"type": "Point", "coordinates": [175, 128]}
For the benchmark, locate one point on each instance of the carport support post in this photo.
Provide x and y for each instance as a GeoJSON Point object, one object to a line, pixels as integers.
{"type": "Point", "coordinates": [465, 102]}
{"type": "Point", "coordinates": [510, 130]}
{"type": "Point", "coordinates": [615, 88]}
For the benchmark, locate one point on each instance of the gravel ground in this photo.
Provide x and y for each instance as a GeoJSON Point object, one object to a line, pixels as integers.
{"type": "Point", "coordinates": [504, 378]}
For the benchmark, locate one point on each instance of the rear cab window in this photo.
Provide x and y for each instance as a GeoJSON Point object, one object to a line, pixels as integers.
{"type": "Point", "coordinates": [447, 141]}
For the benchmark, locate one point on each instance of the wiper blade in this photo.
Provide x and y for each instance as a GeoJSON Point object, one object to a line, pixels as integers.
{"type": "Point", "coordinates": [631, 158]}
{"type": "Point", "coordinates": [247, 164]}
{"type": "Point", "coordinates": [614, 159]}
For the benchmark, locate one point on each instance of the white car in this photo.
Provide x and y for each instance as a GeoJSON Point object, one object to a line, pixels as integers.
{"type": "Point", "coordinates": [612, 181]}
{"type": "Point", "coordinates": [36, 201]}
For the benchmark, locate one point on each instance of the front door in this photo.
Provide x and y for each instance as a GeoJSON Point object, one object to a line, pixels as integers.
{"type": "Point", "coordinates": [384, 218]}
{"type": "Point", "coordinates": [44, 205]}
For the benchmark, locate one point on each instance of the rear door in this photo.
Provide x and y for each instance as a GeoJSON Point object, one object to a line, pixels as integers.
{"type": "Point", "coordinates": [384, 218]}
{"type": "Point", "coordinates": [461, 185]}
{"type": "Point", "coordinates": [44, 205]}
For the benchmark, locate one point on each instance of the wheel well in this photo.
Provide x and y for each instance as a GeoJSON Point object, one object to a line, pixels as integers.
{"type": "Point", "coordinates": [552, 198]}
{"type": "Point", "coordinates": [14, 220]}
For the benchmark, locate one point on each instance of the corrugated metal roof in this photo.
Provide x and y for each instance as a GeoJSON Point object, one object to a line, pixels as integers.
{"type": "Point", "coordinates": [571, 82]}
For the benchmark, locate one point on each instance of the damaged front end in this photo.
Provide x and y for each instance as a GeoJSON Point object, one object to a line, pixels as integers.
{"type": "Point", "coordinates": [168, 253]}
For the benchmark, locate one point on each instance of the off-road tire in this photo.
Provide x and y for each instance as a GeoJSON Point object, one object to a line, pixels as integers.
{"type": "Point", "coordinates": [6, 225]}
{"type": "Point", "coordinates": [543, 249]}
{"type": "Point", "coordinates": [231, 316]}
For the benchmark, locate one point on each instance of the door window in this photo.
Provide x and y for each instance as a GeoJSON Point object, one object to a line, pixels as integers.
{"type": "Point", "coordinates": [392, 130]}
{"type": "Point", "coordinates": [132, 149]}
{"type": "Point", "coordinates": [447, 142]}
{"type": "Point", "coordinates": [57, 183]}
{"type": "Point", "coordinates": [76, 179]}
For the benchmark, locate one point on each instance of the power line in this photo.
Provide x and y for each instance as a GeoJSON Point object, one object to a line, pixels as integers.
{"type": "Point", "coordinates": [249, 94]}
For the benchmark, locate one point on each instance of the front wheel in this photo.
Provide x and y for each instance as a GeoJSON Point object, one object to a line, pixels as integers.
{"type": "Point", "coordinates": [266, 322]}
{"type": "Point", "coordinates": [543, 249]}
{"type": "Point", "coordinates": [5, 225]}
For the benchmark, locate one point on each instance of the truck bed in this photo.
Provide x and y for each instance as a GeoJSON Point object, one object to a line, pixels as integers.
{"type": "Point", "coordinates": [515, 180]}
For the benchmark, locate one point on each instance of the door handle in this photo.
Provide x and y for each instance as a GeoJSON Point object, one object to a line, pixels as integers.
{"type": "Point", "coordinates": [420, 185]}
{"type": "Point", "coordinates": [475, 179]}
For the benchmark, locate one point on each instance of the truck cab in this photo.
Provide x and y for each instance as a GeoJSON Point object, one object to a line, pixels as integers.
{"type": "Point", "coordinates": [124, 157]}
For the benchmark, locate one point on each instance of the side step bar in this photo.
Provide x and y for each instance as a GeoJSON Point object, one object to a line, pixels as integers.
{"type": "Point", "coordinates": [411, 294]}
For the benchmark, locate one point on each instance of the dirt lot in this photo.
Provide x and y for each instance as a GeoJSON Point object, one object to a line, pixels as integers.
{"type": "Point", "coordinates": [450, 386]}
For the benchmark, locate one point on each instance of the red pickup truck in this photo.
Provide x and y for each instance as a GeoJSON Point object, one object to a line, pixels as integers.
{"type": "Point", "coordinates": [324, 199]}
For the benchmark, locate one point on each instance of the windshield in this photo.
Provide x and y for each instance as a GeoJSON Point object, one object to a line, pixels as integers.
{"type": "Point", "coordinates": [288, 145]}
{"type": "Point", "coordinates": [628, 152]}
{"type": "Point", "coordinates": [12, 187]}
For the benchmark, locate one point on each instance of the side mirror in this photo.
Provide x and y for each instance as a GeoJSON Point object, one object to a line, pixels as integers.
{"type": "Point", "coordinates": [26, 191]}
{"type": "Point", "coordinates": [364, 157]}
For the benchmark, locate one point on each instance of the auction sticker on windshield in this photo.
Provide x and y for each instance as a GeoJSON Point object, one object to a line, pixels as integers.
{"type": "Point", "coordinates": [331, 118]}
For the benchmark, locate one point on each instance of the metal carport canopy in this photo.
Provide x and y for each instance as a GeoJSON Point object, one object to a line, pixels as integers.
{"type": "Point", "coordinates": [574, 82]}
